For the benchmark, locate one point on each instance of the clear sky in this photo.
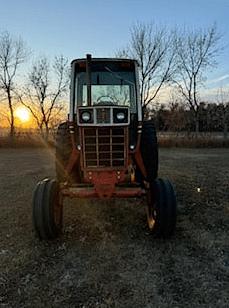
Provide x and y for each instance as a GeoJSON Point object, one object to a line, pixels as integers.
{"type": "Point", "coordinates": [100, 27]}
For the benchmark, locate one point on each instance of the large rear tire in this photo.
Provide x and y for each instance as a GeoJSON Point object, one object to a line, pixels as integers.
{"type": "Point", "coordinates": [149, 152]}
{"type": "Point", "coordinates": [63, 154]}
{"type": "Point", "coordinates": [161, 208]}
{"type": "Point", "coordinates": [47, 209]}
{"type": "Point", "coordinates": [63, 151]}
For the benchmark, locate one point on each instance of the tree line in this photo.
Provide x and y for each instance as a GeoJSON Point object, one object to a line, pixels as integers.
{"type": "Point", "coordinates": [176, 118]}
{"type": "Point", "coordinates": [177, 58]}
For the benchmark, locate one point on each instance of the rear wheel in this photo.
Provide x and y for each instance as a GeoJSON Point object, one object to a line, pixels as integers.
{"type": "Point", "coordinates": [47, 209]}
{"type": "Point", "coordinates": [63, 154]}
{"type": "Point", "coordinates": [149, 152]}
{"type": "Point", "coordinates": [161, 208]}
{"type": "Point", "coordinates": [63, 151]}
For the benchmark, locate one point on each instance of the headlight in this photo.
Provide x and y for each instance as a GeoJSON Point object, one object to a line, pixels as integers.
{"type": "Point", "coordinates": [120, 116]}
{"type": "Point", "coordinates": [86, 116]}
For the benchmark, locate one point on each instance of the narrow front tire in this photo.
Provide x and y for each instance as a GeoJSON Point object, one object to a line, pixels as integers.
{"type": "Point", "coordinates": [161, 208]}
{"type": "Point", "coordinates": [47, 209]}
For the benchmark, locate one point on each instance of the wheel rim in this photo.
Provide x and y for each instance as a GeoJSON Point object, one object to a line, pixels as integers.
{"type": "Point", "coordinates": [151, 211]}
{"type": "Point", "coordinates": [57, 211]}
{"type": "Point", "coordinates": [151, 218]}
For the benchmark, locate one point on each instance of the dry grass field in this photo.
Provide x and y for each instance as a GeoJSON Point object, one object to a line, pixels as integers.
{"type": "Point", "coordinates": [105, 256]}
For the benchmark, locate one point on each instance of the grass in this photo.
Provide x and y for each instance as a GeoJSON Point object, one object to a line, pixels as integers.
{"type": "Point", "coordinates": [192, 142]}
{"type": "Point", "coordinates": [26, 141]}
{"type": "Point", "coordinates": [105, 256]}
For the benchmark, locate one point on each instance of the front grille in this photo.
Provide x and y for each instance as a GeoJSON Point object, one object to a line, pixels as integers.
{"type": "Point", "coordinates": [104, 147]}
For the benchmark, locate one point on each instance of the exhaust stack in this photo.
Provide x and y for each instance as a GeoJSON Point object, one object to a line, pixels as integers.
{"type": "Point", "coordinates": [88, 77]}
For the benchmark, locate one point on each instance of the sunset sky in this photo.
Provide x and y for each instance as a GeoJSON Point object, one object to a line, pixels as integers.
{"type": "Point", "coordinates": [100, 27]}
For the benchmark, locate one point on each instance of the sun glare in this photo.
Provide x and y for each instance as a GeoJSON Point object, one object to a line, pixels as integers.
{"type": "Point", "coordinates": [22, 114]}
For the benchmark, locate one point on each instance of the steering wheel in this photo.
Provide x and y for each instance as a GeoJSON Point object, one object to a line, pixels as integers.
{"type": "Point", "coordinates": [111, 100]}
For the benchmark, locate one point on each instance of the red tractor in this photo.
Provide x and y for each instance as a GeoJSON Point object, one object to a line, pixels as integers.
{"type": "Point", "coordinates": [105, 150]}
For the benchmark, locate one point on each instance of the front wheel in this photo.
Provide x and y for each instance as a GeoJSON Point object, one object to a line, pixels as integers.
{"type": "Point", "coordinates": [161, 208]}
{"type": "Point", "coordinates": [47, 209]}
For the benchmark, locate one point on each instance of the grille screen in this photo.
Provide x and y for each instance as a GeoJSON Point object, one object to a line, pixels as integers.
{"type": "Point", "coordinates": [104, 147]}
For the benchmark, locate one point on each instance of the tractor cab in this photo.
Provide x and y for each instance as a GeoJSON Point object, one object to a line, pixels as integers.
{"type": "Point", "coordinates": [104, 82]}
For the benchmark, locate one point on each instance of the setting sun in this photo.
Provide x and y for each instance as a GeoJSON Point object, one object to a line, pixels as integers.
{"type": "Point", "coordinates": [23, 114]}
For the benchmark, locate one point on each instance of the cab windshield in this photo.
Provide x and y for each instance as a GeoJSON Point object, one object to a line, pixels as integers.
{"type": "Point", "coordinates": [109, 86]}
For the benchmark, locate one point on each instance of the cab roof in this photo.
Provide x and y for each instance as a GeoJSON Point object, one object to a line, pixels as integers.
{"type": "Point", "coordinates": [83, 60]}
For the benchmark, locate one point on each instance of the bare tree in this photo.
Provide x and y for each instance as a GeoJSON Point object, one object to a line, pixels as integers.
{"type": "Point", "coordinates": [153, 47]}
{"type": "Point", "coordinates": [42, 96]}
{"type": "Point", "coordinates": [196, 52]}
{"type": "Point", "coordinates": [13, 52]}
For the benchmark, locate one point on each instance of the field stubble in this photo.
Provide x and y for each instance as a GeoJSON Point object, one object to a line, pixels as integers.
{"type": "Point", "coordinates": [105, 256]}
